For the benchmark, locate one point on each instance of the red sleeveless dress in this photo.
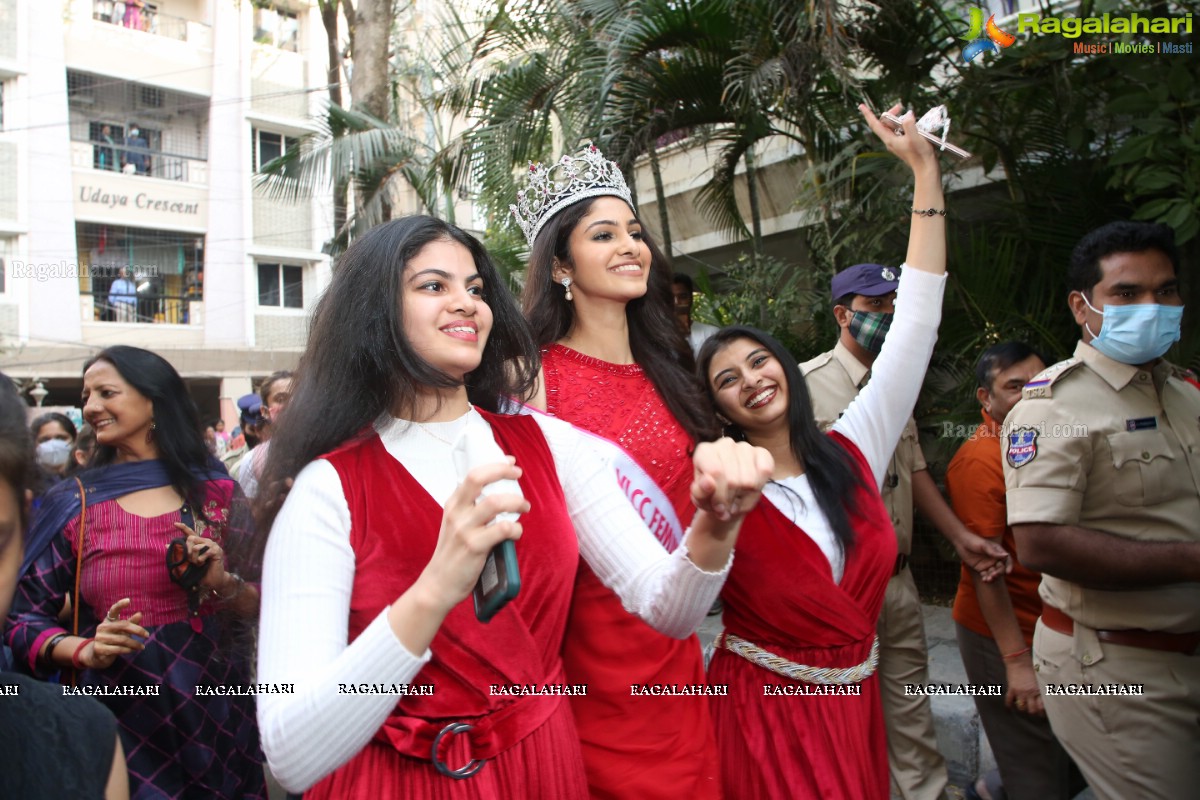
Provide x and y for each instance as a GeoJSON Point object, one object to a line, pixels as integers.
{"type": "Point", "coordinates": [530, 742]}
{"type": "Point", "coordinates": [781, 596]}
{"type": "Point", "coordinates": [634, 747]}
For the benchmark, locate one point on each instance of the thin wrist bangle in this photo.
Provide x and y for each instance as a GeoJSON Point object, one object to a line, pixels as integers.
{"type": "Point", "coordinates": [75, 662]}
{"type": "Point", "coordinates": [1018, 653]}
{"type": "Point", "coordinates": [928, 212]}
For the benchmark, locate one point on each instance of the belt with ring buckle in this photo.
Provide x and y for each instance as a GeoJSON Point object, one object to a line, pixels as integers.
{"type": "Point", "coordinates": [464, 772]}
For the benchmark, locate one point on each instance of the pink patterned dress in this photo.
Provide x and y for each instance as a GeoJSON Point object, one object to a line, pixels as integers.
{"type": "Point", "coordinates": [179, 741]}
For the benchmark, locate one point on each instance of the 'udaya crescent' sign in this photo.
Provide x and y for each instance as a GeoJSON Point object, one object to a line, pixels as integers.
{"type": "Point", "coordinates": [139, 202]}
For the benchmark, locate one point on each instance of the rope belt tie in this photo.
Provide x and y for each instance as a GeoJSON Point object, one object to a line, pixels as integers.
{"type": "Point", "coordinates": [825, 676]}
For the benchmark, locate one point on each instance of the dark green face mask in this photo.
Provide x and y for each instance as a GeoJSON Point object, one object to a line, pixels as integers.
{"type": "Point", "coordinates": [870, 328]}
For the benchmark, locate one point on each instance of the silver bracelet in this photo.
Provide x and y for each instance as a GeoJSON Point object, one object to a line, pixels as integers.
{"type": "Point", "coordinates": [928, 212]}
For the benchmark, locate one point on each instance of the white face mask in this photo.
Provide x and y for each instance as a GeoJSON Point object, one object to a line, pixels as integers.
{"type": "Point", "coordinates": [53, 453]}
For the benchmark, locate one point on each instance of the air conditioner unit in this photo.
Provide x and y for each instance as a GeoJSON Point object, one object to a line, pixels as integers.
{"type": "Point", "coordinates": [82, 98]}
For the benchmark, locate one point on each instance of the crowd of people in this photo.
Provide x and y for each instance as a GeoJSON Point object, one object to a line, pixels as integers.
{"type": "Point", "coordinates": [293, 599]}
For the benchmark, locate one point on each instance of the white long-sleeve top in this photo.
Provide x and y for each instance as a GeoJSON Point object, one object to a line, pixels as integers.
{"type": "Point", "coordinates": [876, 417]}
{"type": "Point", "coordinates": [308, 576]}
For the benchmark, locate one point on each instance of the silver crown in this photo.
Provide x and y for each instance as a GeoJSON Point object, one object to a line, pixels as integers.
{"type": "Point", "coordinates": [573, 178]}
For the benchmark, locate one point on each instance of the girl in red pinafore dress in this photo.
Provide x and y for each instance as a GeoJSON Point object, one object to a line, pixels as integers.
{"type": "Point", "coordinates": [394, 689]}
{"type": "Point", "coordinates": [803, 718]}
{"type": "Point", "coordinates": [615, 362]}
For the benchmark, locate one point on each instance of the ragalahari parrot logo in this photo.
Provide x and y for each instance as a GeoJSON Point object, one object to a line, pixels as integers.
{"type": "Point", "coordinates": [984, 37]}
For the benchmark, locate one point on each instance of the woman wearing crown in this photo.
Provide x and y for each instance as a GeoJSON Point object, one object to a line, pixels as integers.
{"type": "Point", "coordinates": [615, 363]}
{"type": "Point", "coordinates": [379, 543]}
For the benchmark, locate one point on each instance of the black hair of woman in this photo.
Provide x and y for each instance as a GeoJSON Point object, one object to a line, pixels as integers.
{"type": "Point", "coordinates": [655, 337]}
{"type": "Point", "coordinates": [177, 431]}
{"type": "Point", "coordinates": [358, 364]}
{"type": "Point", "coordinates": [831, 470]}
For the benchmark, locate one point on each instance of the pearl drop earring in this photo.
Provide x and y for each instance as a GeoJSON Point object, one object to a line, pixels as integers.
{"type": "Point", "coordinates": [566, 282]}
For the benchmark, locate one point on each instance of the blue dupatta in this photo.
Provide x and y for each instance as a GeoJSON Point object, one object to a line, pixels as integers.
{"type": "Point", "coordinates": [62, 503]}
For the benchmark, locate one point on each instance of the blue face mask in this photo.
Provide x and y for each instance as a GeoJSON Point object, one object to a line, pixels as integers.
{"type": "Point", "coordinates": [1136, 334]}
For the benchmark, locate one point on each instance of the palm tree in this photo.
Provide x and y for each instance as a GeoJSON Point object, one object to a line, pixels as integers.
{"type": "Point", "coordinates": [525, 76]}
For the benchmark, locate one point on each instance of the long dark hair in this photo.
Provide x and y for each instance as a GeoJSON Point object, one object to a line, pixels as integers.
{"type": "Point", "coordinates": [358, 364]}
{"type": "Point", "coordinates": [177, 432]}
{"type": "Point", "coordinates": [658, 344]}
{"type": "Point", "coordinates": [831, 470]}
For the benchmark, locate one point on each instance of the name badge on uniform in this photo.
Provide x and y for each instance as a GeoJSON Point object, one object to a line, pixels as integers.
{"type": "Point", "coordinates": [1143, 424]}
{"type": "Point", "coordinates": [1022, 447]}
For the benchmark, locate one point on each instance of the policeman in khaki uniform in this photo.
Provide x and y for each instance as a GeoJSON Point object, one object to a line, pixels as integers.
{"type": "Point", "coordinates": [1102, 467]}
{"type": "Point", "coordinates": [863, 297]}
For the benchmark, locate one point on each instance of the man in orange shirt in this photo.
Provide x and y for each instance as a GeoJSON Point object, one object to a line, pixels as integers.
{"type": "Point", "coordinates": [995, 620]}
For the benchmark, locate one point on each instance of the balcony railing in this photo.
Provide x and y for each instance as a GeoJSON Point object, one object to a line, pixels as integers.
{"type": "Point", "coordinates": [139, 161]}
{"type": "Point", "coordinates": [141, 17]}
{"type": "Point", "coordinates": [148, 307]}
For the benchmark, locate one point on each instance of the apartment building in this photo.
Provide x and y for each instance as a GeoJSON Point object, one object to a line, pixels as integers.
{"type": "Point", "coordinates": [129, 137]}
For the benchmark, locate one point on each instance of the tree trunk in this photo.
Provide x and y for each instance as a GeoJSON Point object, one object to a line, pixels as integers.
{"type": "Point", "coordinates": [664, 219]}
{"type": "Point", "coordinates": [369, 90]}
{"type": "Point", "coordinates": [333, 77]}
{"type": "Point", "coordinates": [756, 244]}
{"type": "Point", "coordinates": [370, 35]}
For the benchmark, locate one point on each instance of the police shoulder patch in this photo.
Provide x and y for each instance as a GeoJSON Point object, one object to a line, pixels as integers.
{"type": "Point", "coordinates": [1021, 447]}
{"type": "Point", "coordinates": [816, 363]}
{"type": "Point", "coordinates": [1043, 383]}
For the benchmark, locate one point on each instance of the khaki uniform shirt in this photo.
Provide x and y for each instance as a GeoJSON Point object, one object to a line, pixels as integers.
{"type": "Point", "coordinates": [834, 379]}
{"type": "Point", "coordinates": [1107, 446]}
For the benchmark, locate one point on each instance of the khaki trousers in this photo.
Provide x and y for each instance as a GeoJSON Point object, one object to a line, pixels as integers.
{"type": "Point", "coordinates": [918, 769]}
{"type": "Point", "coordinates": [1033, 765]}
{"type": "Point", "coordinates": [1128, 747]}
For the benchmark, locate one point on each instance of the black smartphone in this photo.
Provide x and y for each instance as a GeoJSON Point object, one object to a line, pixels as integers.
{"type": "Point", "coordinates": [499, 582]}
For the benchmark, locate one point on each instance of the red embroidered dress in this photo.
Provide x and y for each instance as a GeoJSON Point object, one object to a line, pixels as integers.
{"type": "Point", "coordinates": [529, 742]}
{"type": "Point", "coordinates": [781, 596]}
{"type": "Point", "coordinates": [633, 747]}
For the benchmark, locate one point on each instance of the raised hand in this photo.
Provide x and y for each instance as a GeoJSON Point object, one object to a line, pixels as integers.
{"type": "Point", "coordinates": [469, 533]}
{"type": "Point", "coordinates": [911, 148]}
{"type": "Point", "coordinates": [729, 476]}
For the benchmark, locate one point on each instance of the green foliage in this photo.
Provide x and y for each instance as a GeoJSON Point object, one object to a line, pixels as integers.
{"type": "Point", "coordinates": [1065, 142]}
{"type": "Point", "coordinates": [1156, 166]}
{"type": "Point", "coordinates": [770, 295]}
